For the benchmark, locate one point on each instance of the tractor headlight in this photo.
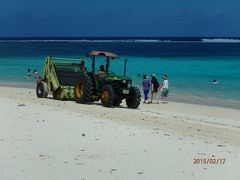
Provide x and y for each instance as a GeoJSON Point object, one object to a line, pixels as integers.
{"type": "Point", "coordinates": [124, 81]}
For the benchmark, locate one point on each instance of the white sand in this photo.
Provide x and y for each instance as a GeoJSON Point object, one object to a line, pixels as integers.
{"type": "Point", "coordinates": [45, 139]}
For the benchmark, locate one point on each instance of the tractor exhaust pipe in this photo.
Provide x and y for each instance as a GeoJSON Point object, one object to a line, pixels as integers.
{"type": "Point", "coordinates": [125, 66]}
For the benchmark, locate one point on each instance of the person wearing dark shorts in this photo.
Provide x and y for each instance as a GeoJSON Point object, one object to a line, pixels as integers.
{"type": "Point", "coordinates": [146, 87]}
{"type": "Point", "coordinates": [154, 88]}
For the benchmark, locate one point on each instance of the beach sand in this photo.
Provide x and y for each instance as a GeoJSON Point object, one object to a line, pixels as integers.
{"type": "Point", "coordinates": [46, 139]}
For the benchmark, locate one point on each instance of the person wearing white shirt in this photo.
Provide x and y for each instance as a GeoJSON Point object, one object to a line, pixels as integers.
{"type": "Point", "coordinates": [165, 83]}
{"type": "Point", "coordinates": [165, 88]}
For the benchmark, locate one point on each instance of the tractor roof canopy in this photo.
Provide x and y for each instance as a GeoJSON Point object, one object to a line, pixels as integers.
{"type": "Point", "coordinates": [102, 53]}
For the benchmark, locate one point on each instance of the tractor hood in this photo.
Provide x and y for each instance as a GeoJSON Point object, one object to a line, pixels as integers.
{"type": "Point", "coordinates": [117, 78]}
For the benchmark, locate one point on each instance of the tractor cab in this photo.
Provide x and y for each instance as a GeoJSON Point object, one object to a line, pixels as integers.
{"type": "Point", "coordinates": [101, 65]}
{"type": "Point", "coordinates": [107, 55]}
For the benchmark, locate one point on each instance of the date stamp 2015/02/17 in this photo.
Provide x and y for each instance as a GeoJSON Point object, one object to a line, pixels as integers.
{"type": "Point", "coordinates": [209, 161]}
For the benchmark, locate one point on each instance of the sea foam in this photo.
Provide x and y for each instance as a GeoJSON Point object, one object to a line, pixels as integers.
{"type": "Point", "coordinates": [83, 40]}
{"type": "Point", "coordinates": [221, 40]}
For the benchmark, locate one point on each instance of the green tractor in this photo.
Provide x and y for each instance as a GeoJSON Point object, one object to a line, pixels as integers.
{"type": "Point", "coordinates": [68, 79]}
{"type": "Point", "coordinates": [110, 88]}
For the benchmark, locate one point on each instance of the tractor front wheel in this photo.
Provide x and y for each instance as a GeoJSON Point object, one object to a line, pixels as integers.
{"type": "Point", "coordinates": [107, 96]}
{"type": "Point", "coordinates": [134, 98]}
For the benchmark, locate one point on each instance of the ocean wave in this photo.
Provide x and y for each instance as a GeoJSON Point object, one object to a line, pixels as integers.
{"type": "Point", "coordinates": [85, 40]}
{"type": "Point", "coordinates": [220, 40]}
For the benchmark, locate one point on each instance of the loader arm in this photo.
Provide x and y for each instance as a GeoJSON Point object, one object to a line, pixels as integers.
{"type": "Point", "coordinates": [50, 75]}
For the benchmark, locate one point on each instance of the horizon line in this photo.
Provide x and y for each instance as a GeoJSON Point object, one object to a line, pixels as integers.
{"type": "Point", "coordinates": [119, 36]}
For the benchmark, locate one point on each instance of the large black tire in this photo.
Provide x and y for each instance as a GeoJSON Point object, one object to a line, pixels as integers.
{"type": "Point", "coordinates": [84, 90]}
{"type": "Point", "coordinates": [134, 98]}
{"type": "Point", "coordinates": [41, 90]}
{"type": "Point", "coordinates": [107, 96]}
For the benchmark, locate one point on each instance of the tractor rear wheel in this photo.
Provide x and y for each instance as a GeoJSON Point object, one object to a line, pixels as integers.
{"type": "Point", "coordinates": [84, 90]}
{"type": "Point", "coordinates": [134, 98]}
{"type": "Point", "coordinates": [107, 96]}
{"type": "Point", "coordinates": [41, 89]}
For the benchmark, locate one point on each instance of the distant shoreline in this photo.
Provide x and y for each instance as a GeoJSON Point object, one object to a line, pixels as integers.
{"type": "Point", "coordinates": [147, 39]}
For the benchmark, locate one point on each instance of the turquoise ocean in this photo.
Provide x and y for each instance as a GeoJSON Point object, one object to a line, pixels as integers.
{"type": "Point", "coordinates": [191, 63]}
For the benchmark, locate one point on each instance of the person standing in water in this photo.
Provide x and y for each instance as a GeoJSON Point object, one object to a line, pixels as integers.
{"type": "Point", "coordinates": [215, 82]}
{"type": "Point", "coordinates": [35, 73]}
{"type": "Point", "coordinates": [28, 73]}
{"type": "Point", "coordinates": [165, 88]}
{"type": "Point", "coordinates": [154, 88]}
{"type": "Point", "coordinates": [146, 86]}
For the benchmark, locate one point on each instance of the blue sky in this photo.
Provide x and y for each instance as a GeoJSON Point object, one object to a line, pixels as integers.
{"type": "Point", "coordinates": [119, 18]}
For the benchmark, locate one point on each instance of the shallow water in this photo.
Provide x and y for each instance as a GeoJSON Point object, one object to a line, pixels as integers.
{"type": "Point", "coordinates": [191, 67]}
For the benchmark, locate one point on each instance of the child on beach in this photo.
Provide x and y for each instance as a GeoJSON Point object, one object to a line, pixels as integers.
{"type": "Point", "coordinates": [164, 88]}
{"type": "Point", "coordinates": [146, 87]}
{"type": "Point", "coordinates": [154, 88]}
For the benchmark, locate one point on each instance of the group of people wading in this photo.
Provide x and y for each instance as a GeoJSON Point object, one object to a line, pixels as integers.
{"type": "Point", "coordinates": [153, 86]}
